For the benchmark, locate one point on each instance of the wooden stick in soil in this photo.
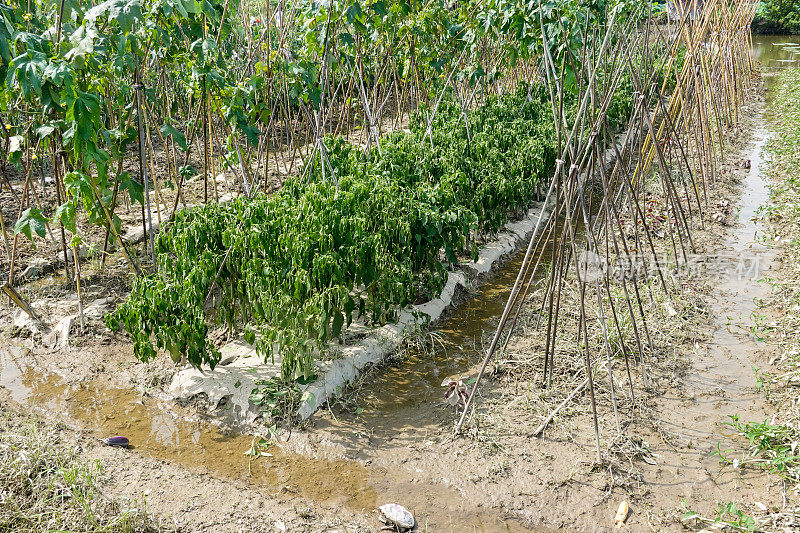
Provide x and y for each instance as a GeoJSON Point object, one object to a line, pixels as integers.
{"type": "Point", "coordinates": [591, 246]}
{"type": "Point", "coordinates": [583, 331]}
{"type": "Point", "coordinates": [150, 161]}
{"type": "Point", "coordinates": [5, 236]}
{"type": "Point", "coordinates": [113, 208]}
{"type": "Point", "coordinates": [577, 390]}
{"type": "Point", "coordinates": [616, 215]}
{"type": "Point", "coordinates": [532, 275]}
{"type": "Point", "coordinates": [134, 266]}
{"type": "Point", "coordinates": [82, 318]}
{"type": "Point", "coordinates": [564, 260]}
{"type": "Point", "coordinates": [507, 309]}
{"type": "Point", "coordinates": [189, 144]}
{"type": "Point", "coordinates": [25, 189]}
{"type": "Point", "coordinates": [206, 165]}
{"type": "Point", "coordinates": [517, 282]}
{"type": "Point", "coordinates": [148, 226]}
{"type": "Point", "coordinates": [57, 176]}
{"type": "Point", "coordinates": [114, 196]}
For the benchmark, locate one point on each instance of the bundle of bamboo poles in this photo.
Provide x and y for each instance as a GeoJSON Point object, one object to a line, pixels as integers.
{"type": "Point", "coordinates": [673, 142]}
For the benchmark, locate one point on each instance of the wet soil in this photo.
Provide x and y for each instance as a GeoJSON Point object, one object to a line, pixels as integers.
{"type": "Point", "coordinates": [721, 383]}
{"type": "Point", "coordinates": [332, 468]}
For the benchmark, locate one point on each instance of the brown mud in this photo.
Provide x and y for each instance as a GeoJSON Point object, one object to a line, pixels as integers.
{"type": "Point", "coordinates": [163, 432]}
{"type": "Point", "coordinates": [722, 382]}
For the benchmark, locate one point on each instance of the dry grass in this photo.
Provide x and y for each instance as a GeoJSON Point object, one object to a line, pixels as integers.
{"type": "Point", "coordinates": [46, 486]}
{"type": "Point", "coordinates": [676, 320]}
{"type": "Point", "coordinates": [673, 319]}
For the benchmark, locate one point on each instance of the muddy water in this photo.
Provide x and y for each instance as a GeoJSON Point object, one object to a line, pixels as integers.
{"type": "Point", "coordinates": [175, 434]}
{"type": "Point", "coordinates": [406, 397]}
{"type": "Point", "coordinates": [776, 51]}
{"type": "Point", "coordinates": [731, 367]}
{"type": "Point", "coordinates": [742, 286]}
{"type": "Point", "coordinates": [723, 382]}
{"type": "Point", "coordinates": [454, 348]}
{"type": "Point", "coordinates": [727, 368]}
{"type": "Point", "coordinates": [168, 432]}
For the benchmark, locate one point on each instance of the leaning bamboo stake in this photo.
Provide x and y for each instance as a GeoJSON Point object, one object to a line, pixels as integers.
{"type": "Point", "coordinates": [148, 230]}
{"type": "Point", "coordinates": [698, 111]}
{"type": "Point", "coordinates": [57, 175]}
{"type": "Point", "coordinates": [5, 238]}
{"type": "Point", "coordinates": [25, 190]}
{"type": "Point", "coordinates": [577, 390]}
{"type": "Point", "coordinates": [77, 259]}
{"type": "Point", "coordinates": [518, 280]}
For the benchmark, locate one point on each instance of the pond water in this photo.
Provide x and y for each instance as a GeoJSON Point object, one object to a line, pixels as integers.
{"type": "Point", "coordinates": [777, 51]}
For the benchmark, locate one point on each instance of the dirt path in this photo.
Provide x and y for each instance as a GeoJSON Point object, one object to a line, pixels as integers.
{"type": "Point", "coordinates": [722, 382]}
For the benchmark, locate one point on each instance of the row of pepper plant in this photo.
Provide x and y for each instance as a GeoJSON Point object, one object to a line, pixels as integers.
{"type": "Point", "coordinates": [296, 267]}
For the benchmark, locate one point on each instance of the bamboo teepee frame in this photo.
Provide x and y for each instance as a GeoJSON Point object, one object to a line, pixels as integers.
{"type": "Point", "coordinates": [674, 137]}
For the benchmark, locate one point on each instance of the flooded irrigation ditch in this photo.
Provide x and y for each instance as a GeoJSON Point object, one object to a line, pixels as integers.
{"type": "Point", "coordinates": [404, 396]}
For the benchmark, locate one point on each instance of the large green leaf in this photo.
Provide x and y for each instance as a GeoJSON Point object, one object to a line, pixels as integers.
{"type": "Point", "coordinates": [134, 188]}
{"type": "Point", "coordinates": [82, 41]}
{"type": "Point", "coordinates": [78, 185]}
{"type": "Point", "coordinates": [6, 31]}
{"type": "Point", "coordinates": [65, 213]}
{"type": "Point", "coordinates": [83, 116]}
{"type": "Point", "coordinates": [31, 221]}
{"type": "Point", "coordinates": [124, 12]}
{"type": "Point", "coordinates": [26, 70]}
{"type": "Point", "coordinates": [177, 136]}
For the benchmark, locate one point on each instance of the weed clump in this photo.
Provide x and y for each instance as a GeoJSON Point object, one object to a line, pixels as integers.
{"type": "Point", "coordinates": [45, 486]}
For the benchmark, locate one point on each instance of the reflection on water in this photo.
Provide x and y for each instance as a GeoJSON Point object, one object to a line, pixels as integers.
{"type": "Point", "coordinates": [169, 432]}
{"type": "Point", "coordinates": [416, 379]}
{"type": "Point", "coordinates": [776, 51]}
{"type": "Point", "coordinates": [165, 431]}
{"type": "Point", "coordinates": [773, 52]}
{"type": "Point", "coordinates": [754, 196]}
